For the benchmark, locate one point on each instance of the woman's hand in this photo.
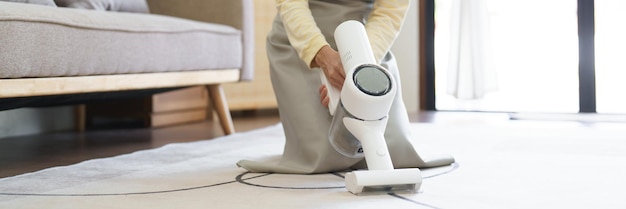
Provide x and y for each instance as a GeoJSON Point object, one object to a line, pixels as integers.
{"type": "Point", "coordinates": [329, 61]}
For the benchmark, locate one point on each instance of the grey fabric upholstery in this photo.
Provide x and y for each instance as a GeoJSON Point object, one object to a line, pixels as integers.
{"type": "Point", "coordinates": [49, 42]}
{"type": "Point", "coordinates": [136, 6]}
{"type": "Point", "coordinates": [236, 13]}
{"type": "Point", "coordinates": [40, 2]}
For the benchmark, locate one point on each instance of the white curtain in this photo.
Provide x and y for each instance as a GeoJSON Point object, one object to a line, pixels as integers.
{"type": "Point", "coordinates": [470, 70]}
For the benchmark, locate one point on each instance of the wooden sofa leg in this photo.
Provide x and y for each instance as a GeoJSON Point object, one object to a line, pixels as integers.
{"type": "Point", "coordinates": [218, 101]}
{"type": "Point", "coordinates": [80, 117]}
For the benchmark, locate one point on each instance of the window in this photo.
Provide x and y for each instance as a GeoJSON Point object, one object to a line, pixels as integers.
{"type": "Point", "coordinates": [543, 54]}
{"type": "Point", "coordinates": [610, 45]}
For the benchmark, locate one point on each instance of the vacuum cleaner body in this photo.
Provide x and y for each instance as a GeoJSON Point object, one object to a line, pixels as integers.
{"type": "Point", "coordinates": [360, 112]}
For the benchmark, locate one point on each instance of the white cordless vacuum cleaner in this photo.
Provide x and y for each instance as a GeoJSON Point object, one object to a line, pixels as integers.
{"type": "Point", "coordinates": [360, 116]}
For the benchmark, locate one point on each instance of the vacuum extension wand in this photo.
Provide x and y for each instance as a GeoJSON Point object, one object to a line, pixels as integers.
{"type": "Point", "coordinates": [360, 112]}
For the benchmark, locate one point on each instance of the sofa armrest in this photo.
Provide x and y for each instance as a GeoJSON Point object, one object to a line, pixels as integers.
{"type": "Point", "coordinates": [236, 13]}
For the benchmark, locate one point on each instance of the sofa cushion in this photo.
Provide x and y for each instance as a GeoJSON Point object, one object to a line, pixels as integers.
{"type": "Point", "coordinates": [40, 2]}
{"type": "Point", "coordinates": [137, 6]}
{"type": "Point", "coordinates": [48, 42]}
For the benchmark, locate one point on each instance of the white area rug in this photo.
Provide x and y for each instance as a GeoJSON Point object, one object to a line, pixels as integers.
{"type": "Point", "coordinates": [580, 117]}
{"type": "Point", "coordinates": [528, 166]}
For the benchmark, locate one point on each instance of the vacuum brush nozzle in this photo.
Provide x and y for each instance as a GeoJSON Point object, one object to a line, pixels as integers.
{"type": "Point", "coordinates": [366, 182]}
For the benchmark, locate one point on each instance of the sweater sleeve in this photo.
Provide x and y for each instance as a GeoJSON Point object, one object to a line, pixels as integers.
{"type": "Point", "coordinates": [302, 31]}
{"type": "Point", "coordinates": [384, 24]}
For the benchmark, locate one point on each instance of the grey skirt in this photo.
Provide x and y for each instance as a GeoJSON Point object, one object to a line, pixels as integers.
{"type": "Point", "coordinates": [306, 122]}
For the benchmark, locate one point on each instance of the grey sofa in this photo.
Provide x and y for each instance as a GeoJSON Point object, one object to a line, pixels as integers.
{"type": "Point", "coordinates": [50, 53]}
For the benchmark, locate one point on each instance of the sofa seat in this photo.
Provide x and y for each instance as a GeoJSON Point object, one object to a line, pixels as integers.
{"type": "Point", "coordinates": [40, 41]}
{"type": "Point", "coordinates": [61, 56]}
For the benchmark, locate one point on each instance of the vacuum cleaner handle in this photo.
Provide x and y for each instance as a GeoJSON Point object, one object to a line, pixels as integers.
{"type": "Point", "coordinates": [353, 45]}
{"type": "Point", "coordinates": [333, 93]}
{"type": "Point", "coordinates": [354, 49]}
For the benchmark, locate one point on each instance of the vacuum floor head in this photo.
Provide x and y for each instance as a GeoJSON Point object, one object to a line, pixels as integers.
{"type": "Point", "coordinates": [366, 182]}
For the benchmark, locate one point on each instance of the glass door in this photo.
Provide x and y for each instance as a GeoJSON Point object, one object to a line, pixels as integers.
{"type": "Point", "coordinates": [528, 61]}
{"type": "Point", "coordinates": [610, 43]}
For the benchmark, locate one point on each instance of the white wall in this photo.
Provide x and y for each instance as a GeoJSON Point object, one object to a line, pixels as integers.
{"type": "Point", "coordinates": [406, 49]}
{"type": "Point", "coordinates": [27, 121]}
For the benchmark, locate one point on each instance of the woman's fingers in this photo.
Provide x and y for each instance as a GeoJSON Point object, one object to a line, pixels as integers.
{"type": "Point", "coordinates": [324, 96]}
{"type": "Point", "coordinates": [335, 75]}
{"type": "Point", "coordinates": [338, 80]}
{"type": "Point", "coordinates": [323, 91]}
